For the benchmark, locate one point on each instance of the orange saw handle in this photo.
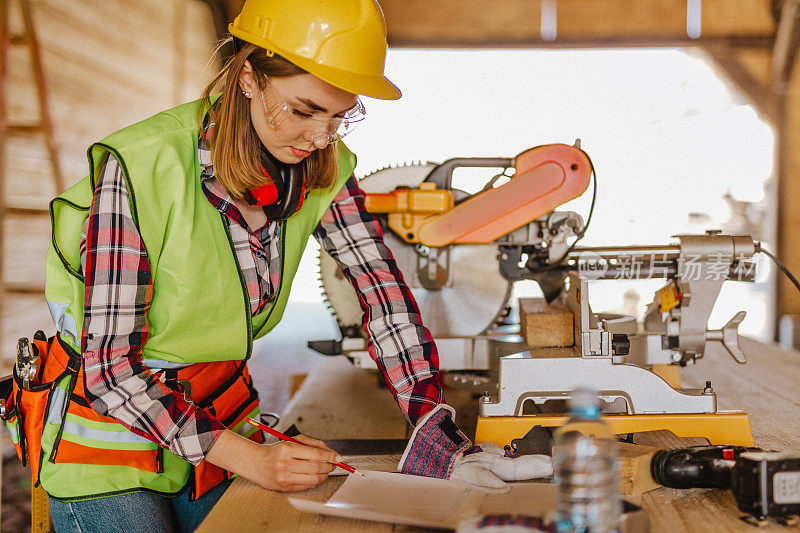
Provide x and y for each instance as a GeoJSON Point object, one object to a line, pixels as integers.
{"type": "Point", "coordinates": [442, 175]}
{"type": "Point", "coordinates": [546, 177]}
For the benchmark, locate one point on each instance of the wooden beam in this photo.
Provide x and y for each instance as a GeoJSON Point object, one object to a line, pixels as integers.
{"type": "Point", "coordinates": [764, 42]}
{"type": "Point", "coordinates": [223, 12]}
{"type": "Point", "coordinates": [785, 45]}
{"type": "Point", "coordinates": [761, 96]}
{"type": "Point", "coordinates": [787, 195]}
{"type": "Point", "coordinates": [477, 23]}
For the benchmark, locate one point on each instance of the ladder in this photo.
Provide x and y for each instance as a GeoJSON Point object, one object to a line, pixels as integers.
{"type": "Point", "coordinates": [43, 127]}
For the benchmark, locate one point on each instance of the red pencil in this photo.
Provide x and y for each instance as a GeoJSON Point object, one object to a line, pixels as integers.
{"type": "Point", "coordinates": [281, 436]}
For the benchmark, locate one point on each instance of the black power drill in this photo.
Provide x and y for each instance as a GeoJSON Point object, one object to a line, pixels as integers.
{"type": "Point", "coordinates": [763, 483]}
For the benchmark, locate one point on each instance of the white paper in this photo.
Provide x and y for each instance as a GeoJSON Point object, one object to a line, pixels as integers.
{"type": "Point", "coordinates": [422, 501]}
{"type": "Point", "coordinates": [310, 506]}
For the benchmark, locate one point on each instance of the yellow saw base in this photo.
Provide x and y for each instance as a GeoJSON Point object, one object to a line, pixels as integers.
{"type": "Point", "coordinates": [719, 428]}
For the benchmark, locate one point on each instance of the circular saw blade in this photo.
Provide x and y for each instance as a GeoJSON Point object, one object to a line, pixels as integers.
{"type": "Point", "coordinates": [469, 305]}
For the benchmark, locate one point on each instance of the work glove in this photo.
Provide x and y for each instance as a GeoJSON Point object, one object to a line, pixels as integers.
{"type": "Point", "coordinates": [437, 448]}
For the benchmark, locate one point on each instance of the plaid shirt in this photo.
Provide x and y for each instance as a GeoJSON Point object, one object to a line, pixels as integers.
{"type": "Point", "coordinates": [119, 290]}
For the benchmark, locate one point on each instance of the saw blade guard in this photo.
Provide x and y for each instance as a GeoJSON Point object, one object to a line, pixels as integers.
{"type": "Point", "coordinates": [470, 300]}
{"type": "Point", "coordinates": [546, 177]}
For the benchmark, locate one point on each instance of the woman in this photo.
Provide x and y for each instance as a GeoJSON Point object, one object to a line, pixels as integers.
{"type": "Point", "coordinates": [179, 249]}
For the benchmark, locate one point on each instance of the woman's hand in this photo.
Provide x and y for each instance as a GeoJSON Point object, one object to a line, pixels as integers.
{"type": "Point", "coordinates": [292, 467]}
{"type": "Point", "coordinates": [283, 466]}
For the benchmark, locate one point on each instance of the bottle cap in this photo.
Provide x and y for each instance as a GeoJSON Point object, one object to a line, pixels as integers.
{"type": "Point", "coordinates": [584, 403]}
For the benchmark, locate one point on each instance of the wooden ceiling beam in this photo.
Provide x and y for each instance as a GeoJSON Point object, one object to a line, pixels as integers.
{"type": "Point", "coordinates": [621, 41]}
{"type": "Point", "coordinates": [506, 23]}
{"type": "Point", "coordinates": [761, 95]}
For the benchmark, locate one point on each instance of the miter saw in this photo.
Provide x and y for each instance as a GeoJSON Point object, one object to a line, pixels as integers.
{"type": "Point", "coordinates": [460, 254]}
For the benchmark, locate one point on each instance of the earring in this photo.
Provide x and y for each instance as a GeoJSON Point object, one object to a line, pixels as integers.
{"type": "Point", "coordinates": [246, 94]}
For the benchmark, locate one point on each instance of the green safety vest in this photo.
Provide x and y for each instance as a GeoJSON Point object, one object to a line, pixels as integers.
{"type": "Point", "coordinates": [200, 310]}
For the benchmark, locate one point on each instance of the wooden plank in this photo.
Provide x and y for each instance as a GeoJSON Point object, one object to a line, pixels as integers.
{"type": "Point", "coordinates": [767, 388]}
{"type": "Point", "coordinates": [353, 417]}
{"type": "Point", "coordinates": [138, 78]}
{"type": "Point", "coordinates": [141, 40]}
{"type": "Point", "coordinates": [132, 68]}
{"type": "Point", "coordinates": [22, 315]}
{"type": "Point", "coordinates": [695, 510]}
{"type": "Point", "coordinates": [24, 249]}
{"type": "Point", "coordinates": [275, 514]}
{"type": "Point", "coordinates": [108, 64]}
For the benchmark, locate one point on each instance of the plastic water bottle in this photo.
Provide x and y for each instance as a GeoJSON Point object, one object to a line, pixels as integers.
{"type": "Point", "coordinates": [587, 470]}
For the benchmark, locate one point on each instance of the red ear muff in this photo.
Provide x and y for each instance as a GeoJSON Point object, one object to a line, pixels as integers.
{"type": "Point", "coordinates": [283, 193]}
{"type": "Point", "coordinates": [264, 195]}
{"type": "Point", "coordinates": [290, 197]}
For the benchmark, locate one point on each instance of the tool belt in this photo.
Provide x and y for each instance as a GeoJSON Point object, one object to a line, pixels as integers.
{"type": "Point", "coordinates": [76, 453]}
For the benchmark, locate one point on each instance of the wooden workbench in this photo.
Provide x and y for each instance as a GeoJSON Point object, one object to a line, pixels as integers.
{"type": "Point", "coordinates": [338, 401]}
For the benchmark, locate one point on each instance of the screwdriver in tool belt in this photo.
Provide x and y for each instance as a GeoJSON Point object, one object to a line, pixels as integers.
{"type": "Point", "coordinates": [275, 433]}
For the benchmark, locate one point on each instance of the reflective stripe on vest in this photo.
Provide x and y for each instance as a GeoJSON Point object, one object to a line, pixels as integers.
{"type": "Point", "coordinates": [158, 364]}
{"type": "Point", "coordinates": [103, 435]}
{"type": "Point", "coordinates": [243, 428]}
{"type": "Point", "coordinates": [56, 408]}
{"type": "Point", "coordinates": [13, 429]}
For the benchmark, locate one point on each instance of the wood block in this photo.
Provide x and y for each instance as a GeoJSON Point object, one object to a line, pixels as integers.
{"type": "Point", "coordinates": [668, 373]}
{"type": "Point", "coordinates": [634, 468]}
{"type": "Point", "coordinates": [296, 382]}
{"type": "Point", "coordinates": [544, 325]}
{"type": "Point", "coordinates": [635, 459]}
{"type": "Point", "coordinates": [664, 438]}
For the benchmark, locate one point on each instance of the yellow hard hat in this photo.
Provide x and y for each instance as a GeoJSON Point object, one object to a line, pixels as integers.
{"type": "Point", "coordinates": [343, 42]}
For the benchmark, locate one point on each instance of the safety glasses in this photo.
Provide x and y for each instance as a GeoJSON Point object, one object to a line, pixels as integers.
{"type": "Point", "coordinates": [290, 123]}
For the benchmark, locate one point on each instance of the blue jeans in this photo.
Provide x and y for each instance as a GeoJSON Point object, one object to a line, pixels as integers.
{"type": "Point", "coordinates": [135, 512]}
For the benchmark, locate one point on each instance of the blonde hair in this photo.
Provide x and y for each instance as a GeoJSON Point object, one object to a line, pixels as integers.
{"type": "Point", "coordinates": [235, 146]}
